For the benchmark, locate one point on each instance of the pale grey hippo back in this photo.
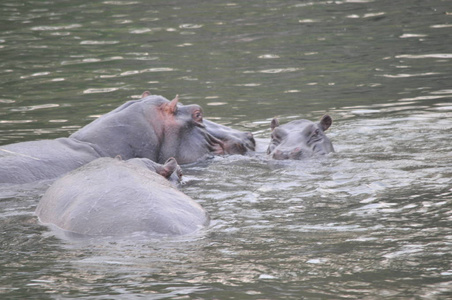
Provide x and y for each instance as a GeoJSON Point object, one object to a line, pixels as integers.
{"type": "Point", "coordinates": [110, 197]}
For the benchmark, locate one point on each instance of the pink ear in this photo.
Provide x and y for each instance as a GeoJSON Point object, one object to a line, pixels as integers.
{"type": "Point", "coordinates": [145, 94]}
{"type": "Point", "coordinates": [172, 106]}
{"type": "Point", "coordinates": [169, 167]}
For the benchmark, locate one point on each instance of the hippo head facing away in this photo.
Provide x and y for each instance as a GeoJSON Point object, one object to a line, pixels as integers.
{"type": "Point", "coordinates": [169, 170]}
{"type": "Point", "coordinates": [155, 128]}
{"type": "Point", "coordinates": [299, 138]}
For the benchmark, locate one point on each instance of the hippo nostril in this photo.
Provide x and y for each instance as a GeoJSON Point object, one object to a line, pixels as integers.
{"type": "Point", "coordinates": [296, 150]}
{"type": "Point", "coordinates": [251, 143]}
{"type": "Point", "coordinates": [240, 148]}
{"type": "Point", "coordinates": [280, 155]}
{"type": "Point", "coordinates": [296, 153]}
{"type": "Point", "coordinates": [318, 150]}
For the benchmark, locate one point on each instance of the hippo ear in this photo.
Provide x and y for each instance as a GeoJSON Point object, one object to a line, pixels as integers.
{"type": "Point", "coordinates": [172, 106]}
{"type": "Point", "coordinates": [274, 123]}
{"type": "Point", "coordinates": [326, 122]}
{"type": "Point", "coordinates": [278, 134]}
{"type": "Point", "coordinates": [169, 167]}
{"type": "Point", "coordinates": [118, 157]}
{"type": "Point", "coordinates": [145, 94]}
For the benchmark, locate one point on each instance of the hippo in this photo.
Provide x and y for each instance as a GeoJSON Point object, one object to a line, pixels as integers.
{"type": "Point", "coordinates": [110, 197]}
{"type": "Point", "coordinates": [151, 127]}
{"type": "Point", "coordinates": [299, 138]}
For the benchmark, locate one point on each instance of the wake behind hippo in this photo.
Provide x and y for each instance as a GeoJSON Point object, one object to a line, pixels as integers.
{"type": "Point", "coordinates": [152, 127]}
{"type": "Point", "coordinates": [111, 197]}
{"type": "Point", "coordinates": [299, 139]}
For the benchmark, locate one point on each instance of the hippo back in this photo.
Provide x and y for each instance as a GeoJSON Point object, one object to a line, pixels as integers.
{"type": "Point", "coordinates": [45, 159]}
{"type": "Point", "coordinates": [127, 130]}
{"type": "Point", "coordinates": [109, 197]}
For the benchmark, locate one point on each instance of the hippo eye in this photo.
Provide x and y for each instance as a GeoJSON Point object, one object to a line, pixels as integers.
{"type": "Point", "coordinates": [197, 116]}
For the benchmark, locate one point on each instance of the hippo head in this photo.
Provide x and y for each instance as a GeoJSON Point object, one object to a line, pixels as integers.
{"type": "Point", "coordinates": [183, 133]}
{"type": "Point", "coordinates": [299, 138]}
{"type": "Point", "coordinates": [152, 127]}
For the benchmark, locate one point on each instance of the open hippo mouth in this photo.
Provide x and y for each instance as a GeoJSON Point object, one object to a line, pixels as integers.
{"type": "Point", "coordinates": [233, 141]}
{"type": "Point", "coordinates": [214, 145]}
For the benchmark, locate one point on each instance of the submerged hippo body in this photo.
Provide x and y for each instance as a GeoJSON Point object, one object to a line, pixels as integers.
{"type": "Point", "coordinates": [300, 138]}
{"type": "Point", "coordinates": [111, 197]}
{"type": "Point", "coordinates": [44, 159]}
{"type": "Point", "coordinates": [151, 127]}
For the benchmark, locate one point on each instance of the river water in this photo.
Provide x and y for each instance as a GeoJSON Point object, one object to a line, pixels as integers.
{"type": "Point", "coordinates": [372, 220]}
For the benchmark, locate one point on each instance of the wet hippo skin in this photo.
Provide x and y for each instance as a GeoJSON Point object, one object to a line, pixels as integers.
{"type": "Point", "coordinates": [112, 197]}
{"type": "Point", "coordinates": [151, 127]}
{"type": "Point", "coordinates": [299, 139]}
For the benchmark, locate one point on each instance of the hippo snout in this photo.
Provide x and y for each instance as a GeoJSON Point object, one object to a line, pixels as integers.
{"type": "Point", "coordinates": [250, 137]}
{"type": "Point", "coordinates": [295, 153]}
{"type": "Point", "coordinates": [250, 142]}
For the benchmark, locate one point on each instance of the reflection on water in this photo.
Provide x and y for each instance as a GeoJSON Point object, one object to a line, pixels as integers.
{"type": "Point", "coordinates": [369, 221]}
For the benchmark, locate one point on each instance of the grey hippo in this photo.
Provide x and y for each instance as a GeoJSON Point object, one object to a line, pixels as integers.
{"type": "Point", "coordinates": [299, 139]}
{"type": "Point", "coordinates": [112, 197]}
{"type": "Point", "coordinates": [151, 127]}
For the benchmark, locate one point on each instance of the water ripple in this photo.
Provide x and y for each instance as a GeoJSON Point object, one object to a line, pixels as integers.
{"type": "Point", "coordinates": [435, 55]}
{"type": "Point", "coordinates": [404, 75]}
{"type": "Point", "coordinates": [140, 30]}
{"type": "Point", "coordinates": [190, 26]}
{"type": "Point", "coordinates": [56, 28]}
{"type": "Point", "coordinates": [121, 3]}
{"type": "Point", "coordinates": [411, 35]}
{"type": "Point", "coordinates": [99, 90]}
{"type": "Point", "coordinates": [151, 70]}
{"type": "Point", "coordinates": [92, 42]}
